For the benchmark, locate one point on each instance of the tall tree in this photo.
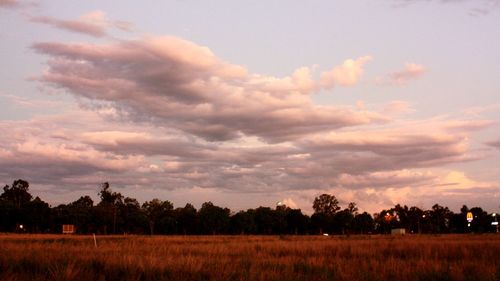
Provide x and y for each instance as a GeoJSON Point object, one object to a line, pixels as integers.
{"type": "Point", "coordinates": [13, 205]}
{"type": "Point", "coordinates": [18, 194]}
{"type": "Point", "coordinates": [326, 204]}
{"type": "Point", "coordinates": [107, 208]}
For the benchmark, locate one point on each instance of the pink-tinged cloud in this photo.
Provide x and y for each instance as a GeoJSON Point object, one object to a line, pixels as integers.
{"type": "Point", "coordinates": [386, 179]}
{"type": "Point", "coordinates": [380, 166]}
{"type": "Point", "coordinates": [398, 107]}
{"type": "Point", "coordinates": [469, 125]}
{"type": "Point", "coordinates": [162, 113]}
{"type": "Point", "coordinates": [94, 23]}
{"type": "Point", "coordinates": [9, 3]}
{"type": "Point", "coordinates": [23, 102]}
{"type": "Point", "coordinates": [411, 71]}
{"type": "Point", "coordinates": [177, 83]}
{"type": "Point", "coordinates": [347, 74]}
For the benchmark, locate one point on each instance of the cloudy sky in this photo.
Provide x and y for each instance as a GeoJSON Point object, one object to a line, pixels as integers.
{"type": "Point", "coordinates": [247, 103]}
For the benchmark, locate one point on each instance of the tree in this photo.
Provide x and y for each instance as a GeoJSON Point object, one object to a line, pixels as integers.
{"type": "Point", "coordinates": [108, 197]}
{"type": "Point", "coordinates": [37, 215]}
{"type": "Point", "coordinates": [363, 223]}
{"type": "Point", "coordinates": [17, 194]}
{"type": "Point", "coordinates": [481, 222]}
{"type": "Point", "coordinates": [342, 221]}
{"type": "Point", "coordinates": [107, 209]}
{"type": "Point", "coordinates": [157, 212]}
{"type": "Point", "coordinates": [13, 205]}
{"type": "Point", "coordinates": [352, 208]}
{"type": "Point", "coordinates": [243, 222]}
{"type": "Point", "coordinates": [134, 218]}
{"type": "Point", "coordinates": [80, 213]}
{"type": "Point", "coordinates": [440, 218]}
{"type": "Point", "coordinates": [83, 202]}
{"type": "Point", "coordinates": [386, 220]}
{"type": "Point", "coordinates": [296, 222]}
{"type": "Point", "coordinates": [265, 219]}
{"type": "Point", "coordinates": [402, 213]}
{"type": "Point", "coordinates": [326, 204]}
{"type": "Point", "coordinates": [187, 219]}
{"type": "Point", "coordinates": [213, 219]}
{"type": "Point", "coordinates": [319, 223]}
{"type": "Point", "coordinates": [415, 219]}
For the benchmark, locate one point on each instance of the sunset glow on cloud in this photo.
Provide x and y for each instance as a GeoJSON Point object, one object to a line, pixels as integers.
{"type": "Point", "coordinates": [171, 110]}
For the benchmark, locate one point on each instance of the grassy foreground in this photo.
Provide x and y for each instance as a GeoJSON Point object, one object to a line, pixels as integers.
{"type": "Point", "coordinates": [55, 257]}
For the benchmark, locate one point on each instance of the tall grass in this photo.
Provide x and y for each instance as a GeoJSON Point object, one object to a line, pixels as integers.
{"type": "Point", "coordinates": [53, 257]}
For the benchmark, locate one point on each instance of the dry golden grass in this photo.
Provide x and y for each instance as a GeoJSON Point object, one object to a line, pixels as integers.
{"type": "Point", "coordinates": [55, 257]}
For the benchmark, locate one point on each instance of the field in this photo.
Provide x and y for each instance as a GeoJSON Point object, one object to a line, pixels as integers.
{"type": "Point", "coordinates": [56, 257]}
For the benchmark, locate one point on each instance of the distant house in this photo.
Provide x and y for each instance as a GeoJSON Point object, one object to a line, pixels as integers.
{"type": "Point", "coordinates": [68, 229]}
{"type": "Point", "coordinates": [398, 231]}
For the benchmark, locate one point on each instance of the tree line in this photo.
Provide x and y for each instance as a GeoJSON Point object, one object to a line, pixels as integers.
{"type": "Point", "coordinates": [117, 214]}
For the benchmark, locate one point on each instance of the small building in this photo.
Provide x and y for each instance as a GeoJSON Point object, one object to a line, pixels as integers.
{"type": "Point", "coordinates": [68, 229]}
{"type": "Point", "coordinates": [398, 231]}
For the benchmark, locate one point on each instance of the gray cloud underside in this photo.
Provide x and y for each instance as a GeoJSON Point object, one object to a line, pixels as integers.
{"type": "Point", "coordinates": [80, 155]}
{"type": "Point", "coordinates": [495, 144]}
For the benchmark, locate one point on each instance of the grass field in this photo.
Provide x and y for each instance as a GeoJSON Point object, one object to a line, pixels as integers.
{"type": "Point", "coordinates": [55, 257]}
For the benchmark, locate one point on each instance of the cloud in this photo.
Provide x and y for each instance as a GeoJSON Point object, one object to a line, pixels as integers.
{"type": "Point", "coordinates": [23, 102]}
{"type": "Point", "coordinates": [179, 84]}
{"type": "Point", "coordinates": [469, 125]}
{"type": "Point", "coordinates": [398, 107]}
{"type": "Point", "coordinates": [347, 74]}
{"type": "Point", "coordinates": [162, 115]}
{"type": "Point", "coordinates": [411, 71]}
{"type": "Point", "coordinates": [387, 179]}
{"type": "Point", "coordinates": [289, 202]}
{"type": "Point", "coordinates": [80, 148]}
{"type": "Point", "coordinates": [9, 3]}
{"type": "Point", "coordinates": [479, 7]}
{"type": "Point", "coordinates": [495, 144]}
{"type": "Point", "coordinates": [388, 149]}
{"type": "Point", "coordinates": [94, 23]}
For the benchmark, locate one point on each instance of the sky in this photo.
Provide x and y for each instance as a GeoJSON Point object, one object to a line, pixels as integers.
{"type": "Point", "coordinates": [250, 103]}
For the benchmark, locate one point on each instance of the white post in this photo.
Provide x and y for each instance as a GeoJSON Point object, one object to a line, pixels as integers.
{"type": "Point", "coordinates": [95, 241]}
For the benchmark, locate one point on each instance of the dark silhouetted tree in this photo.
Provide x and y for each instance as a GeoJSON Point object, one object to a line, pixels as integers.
{"type": "Point", "coordinates": [243, 222]}
{"type": "Point", "coordinates": [157, 213]}
{"type": "Point", "coordinates": [17, 194]}
{"type": "Point", "coordinates": [187, 220]}
{"type": "Point", "coordinates": [363, 223]}
{"type": "Point", "coordinates": [296, 222]}
{"type": "Point", "coordinates": [13, 205]}
{"type": "Point", "coordinates": [213, 219]}
{"type": "Point", "coordinates": [326, 204]}
{"type": "Point", "coordinates": [107, 208]}
{"type": "Point", "coordinates": [134, 219]}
